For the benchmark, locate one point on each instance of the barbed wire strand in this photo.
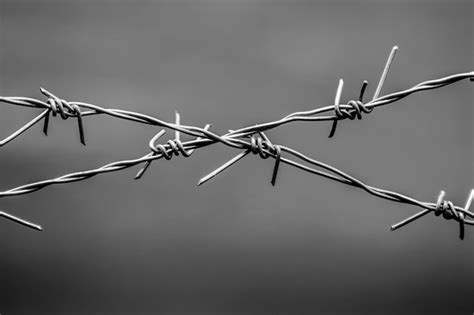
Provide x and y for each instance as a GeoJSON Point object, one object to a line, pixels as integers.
{"type": "Point", "coordinates": [338, 175]}
{"type": "Point", "coordinates": [258, 143]}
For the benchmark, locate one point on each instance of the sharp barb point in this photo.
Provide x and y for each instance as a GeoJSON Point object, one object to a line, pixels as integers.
{"type": "Point", "coordinates": [177, 122]}
{"type": "Point", "coordinates": [385, 72]}
{"type": "Point", "coordinates": [223, 167]}
{"type": "Point", "coordinates": [362, 90]}
{"type": "Point", "coordinates": [21, 221]}
{"type": "Point", "coordinates": [46, 123]}
{"type": "Point", "coordinates": [337, 100]}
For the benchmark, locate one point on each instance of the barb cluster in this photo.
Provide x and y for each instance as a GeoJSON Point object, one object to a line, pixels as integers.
{"type": "Point", "coordinates": [248, 140]}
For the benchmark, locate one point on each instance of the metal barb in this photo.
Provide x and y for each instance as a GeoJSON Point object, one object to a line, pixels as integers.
{"type": "Point", "coordinates": [24, 128]}
{"type": "Point", "coordinates": [21, 221]}
{"type": "Point", "coordinates": [177, 123]}
{"type": "Point", "coordinates": [277, 164]}
{"type": "Point", "coordinates": [362, 90]}
{"type": "Point", "coordinates": [277, 150]}
{"type": "Point", "coordinates": [337, 100]}
{"type": "Point", "coordinates": [80, 125]}
{"type": "Point", "coordinates": [385, 72]}
{"type": "Point", "coordinates": [223, 167]}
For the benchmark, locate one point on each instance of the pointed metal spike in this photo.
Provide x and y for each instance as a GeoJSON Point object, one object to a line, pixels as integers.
{"type": "Point", "coordinates": [337, 100]}
{"type": "Point", "coordinates": [277, 158]}
{"type": "Point", "coordinates": [81, 127]}
{"type": "Point", "coordinates": [385, 72]}
{"type": "Point", "coordinates": [469, 200]}
{"type": "Point", "coordinates": [333, 128]}
{"type": "Point", "coordinates": [277, 165]}
{"type": "Point", "coordinates": [44, 91]}
{"type": "Point", "coordinates": [143, 169]}
{"type": "Point", "coordinates": [25, 127]}
{"type": "Point", "coordinates": [46, 123]}
{"type": "Point", "coordinates": [223, 167]}
{"type": "Point", "coordinates": [177, 122]}
{"type": "Point", "coordinates": [362, 90]}
{"type": "Point", "coordinates": [461, 230]}
{"type": "Point", "coordinates": [21, 221]}
{"type": "Point", "coordinates": [409, 219]}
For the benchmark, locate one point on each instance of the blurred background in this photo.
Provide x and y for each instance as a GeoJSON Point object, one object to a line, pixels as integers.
{"type": "Point", "coordinates": [236, 245]}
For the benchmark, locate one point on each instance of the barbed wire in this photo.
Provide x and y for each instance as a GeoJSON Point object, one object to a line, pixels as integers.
{"type": "Point", "coordinates": [251, 139]}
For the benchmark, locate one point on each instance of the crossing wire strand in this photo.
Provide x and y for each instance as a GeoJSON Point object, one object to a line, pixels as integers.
{"type": "Point", "coordinates": [251, 139]}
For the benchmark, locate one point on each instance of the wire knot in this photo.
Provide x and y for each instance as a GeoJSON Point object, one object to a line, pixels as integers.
{"type": "Point", "coordinates": [262, 146]}
{"type": "Point", "coordinates": [258, 145]}
{"type": "Point", "coordinates": [172, 147]}
{"type": "Point", "coordinates": [175, 147]}
{"type": "Point", "coordinates": [358, 107]}
{"type": "Point", "coordinates": [64, 109]}
{"type": "Point", "coordinates": [355, 112]}
{"type": "Point", "coordinates": [447, 209]}
{"type": "Point", "coordinates": [449, 212]}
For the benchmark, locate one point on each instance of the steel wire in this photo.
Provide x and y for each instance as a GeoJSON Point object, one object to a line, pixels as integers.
{"type": "Point", "coordinates": [251, 139]}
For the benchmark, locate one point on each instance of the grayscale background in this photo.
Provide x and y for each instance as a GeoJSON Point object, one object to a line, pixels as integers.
{"type": "Point", "coordinates": [236, 245]}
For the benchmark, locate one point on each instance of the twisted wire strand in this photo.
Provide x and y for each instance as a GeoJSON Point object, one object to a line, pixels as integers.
{"type": "Point", "coordinates": [336, 175]}
{"type": "Point", "coordinates": [257, 143]}
{"type": "Point", "coordinates": [311, 115]}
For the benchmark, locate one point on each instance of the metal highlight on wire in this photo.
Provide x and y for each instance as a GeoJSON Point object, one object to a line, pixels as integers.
{"type": "Point", "coordinates": [252, 139]}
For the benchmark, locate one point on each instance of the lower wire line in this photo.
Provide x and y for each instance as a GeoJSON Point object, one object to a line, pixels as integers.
{"type": "Point", "coordinates": [337, 175]}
